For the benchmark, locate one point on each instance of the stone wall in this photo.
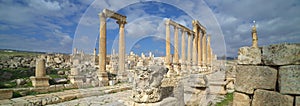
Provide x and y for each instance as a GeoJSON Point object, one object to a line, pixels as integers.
{"type": "Point", "coordinates": [268, 76]}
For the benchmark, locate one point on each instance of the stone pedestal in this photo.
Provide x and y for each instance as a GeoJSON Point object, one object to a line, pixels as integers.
{"type": "Point", "coordinates": [40, 81]}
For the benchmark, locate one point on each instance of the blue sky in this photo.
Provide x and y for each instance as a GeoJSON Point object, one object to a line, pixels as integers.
{"type": "Point", "coordinates": [58, 26]}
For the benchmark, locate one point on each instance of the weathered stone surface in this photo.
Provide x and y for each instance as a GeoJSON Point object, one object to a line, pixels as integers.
{"type": "Point", "coordinates": [5, 94]}
{"type": "Point", "coordinates": [297, 100]}
{"type": "Point", "coordinates": [249, 55]}
{"type": "Point", "coordinates": [289, 79]}
{"type": "Point", "coordinates": [147, 84]}
{"type": "Point", "coordinates": [230, 71]}
{"type": "Point", "coordinates": [249, 78]}
{"type": "Point", "coordinates": [271, 98]}
{"type": "Point", "coordinates": [240, 99]}
{"type": "Point", "coordinates": [198, 81]}
{"type": "Point", "coordinates": [281, 54]}
{"type": "Point", "coordinates": [6, 102]}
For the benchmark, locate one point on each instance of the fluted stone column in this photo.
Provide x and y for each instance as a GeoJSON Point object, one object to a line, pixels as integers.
{"type": "Point", "coordinates": [204, 50]}
{"type": "Point", "coordinates": [189, 61]}
{"type": "Point", "coordinates": [176, 56]}
{"type": "Point", "coordinates": [200, 48]}
{"type": "Point", "coordinates": [183, 47]}
{"type": "Point", "coordinates": [121, 50]}
{"type": "Point", "coordinates": [102, 75]}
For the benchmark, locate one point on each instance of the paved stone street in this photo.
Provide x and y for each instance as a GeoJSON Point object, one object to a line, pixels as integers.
{"type": "Point", "coordinates": [67, 95]}
{"type": "Point", "coordinates": [114, 99]}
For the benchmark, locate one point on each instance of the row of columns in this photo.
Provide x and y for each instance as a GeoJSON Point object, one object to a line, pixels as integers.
{"type": "Point", "coordinates": [121, 20]}
{"type": "Point", "coordinates": [175, 65]}
{"type": "Point", "coordinates": [199, 54]}
{"type": "Point", "coordinates": [204, 51]}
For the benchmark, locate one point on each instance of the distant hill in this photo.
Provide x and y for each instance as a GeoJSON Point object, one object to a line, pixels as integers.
{"type": "Point", "coordinates": [9, 52]}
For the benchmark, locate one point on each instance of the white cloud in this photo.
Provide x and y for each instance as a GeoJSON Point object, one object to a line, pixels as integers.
{"type": "Point", "coordinates": [42, 4]}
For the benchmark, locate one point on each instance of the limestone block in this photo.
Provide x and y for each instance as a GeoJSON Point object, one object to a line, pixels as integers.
{"type": "Point", "coordinates": [240, 99]}
{"type": "Point", "coordinates": [230, 71]}
{"type": "Point", "coordinates": [297, 100]}
{"type": "Point", "coordinates": [281, 54]}
{"type": "Point", "coordinates": [249, 55]}
{"type": "Point", "coordinates": [289, 79]}
{"type": "Point", "coordinates": [271, 98]}
{"type": "Point", "coordinates": [249, 78]}
{"type": "Point", "coordinates": [5, 94]}
{"type": "Point", "coordinates": [40, 81]}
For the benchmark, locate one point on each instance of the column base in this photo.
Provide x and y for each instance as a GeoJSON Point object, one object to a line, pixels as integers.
{"type": "Point", "coordinates": [103, 79]}
{"type": "Point", "coordinates": [40, 81]}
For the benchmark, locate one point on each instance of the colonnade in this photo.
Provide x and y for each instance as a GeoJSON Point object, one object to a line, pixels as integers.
{"type": "Point", "coordinates": [199, 54]}
{"type": "Point", "coordinates": [121, 20]}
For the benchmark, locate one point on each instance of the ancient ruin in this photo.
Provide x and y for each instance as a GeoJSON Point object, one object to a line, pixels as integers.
{"type": "Point", "coordinates": [191, 75]}
{"type": "Point", "coordinates": [121, 20]}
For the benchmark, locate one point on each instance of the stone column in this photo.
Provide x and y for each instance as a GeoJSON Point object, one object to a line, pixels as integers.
{"type": "Point", "coordinates": [40, 79]}
{"type": "Point", "coordinates": [254, 37]}
{"type": "Point", "coordinates": [176, 56]}
{"type": "Point", "coordinates": [168, 45]}
{"type": "Point", "coordinates": [200, 48]}
{"type": "Point", "coordinates": [102, 75]}
{"type": "Point", "coordinates": [168, 50]}
{"type": "Point", "coordinates": [74, 51]}
{"type": "Point", "coordinates": [183, 47]}
{"type": "Point", "coordinates": [208, 51]}
{"type": "Point", "coordinates": [40, 69]}
{"type": "Point", "coordinates": [189, 61]}
{"type": "Point", "coordinates": [195, 47]}
{"type": "Point", "coordinates": [95, 56]}
{"type": "Point", "coordinates": [121, 50]}
{"type": "Point", "coordinates": [204, 50]}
